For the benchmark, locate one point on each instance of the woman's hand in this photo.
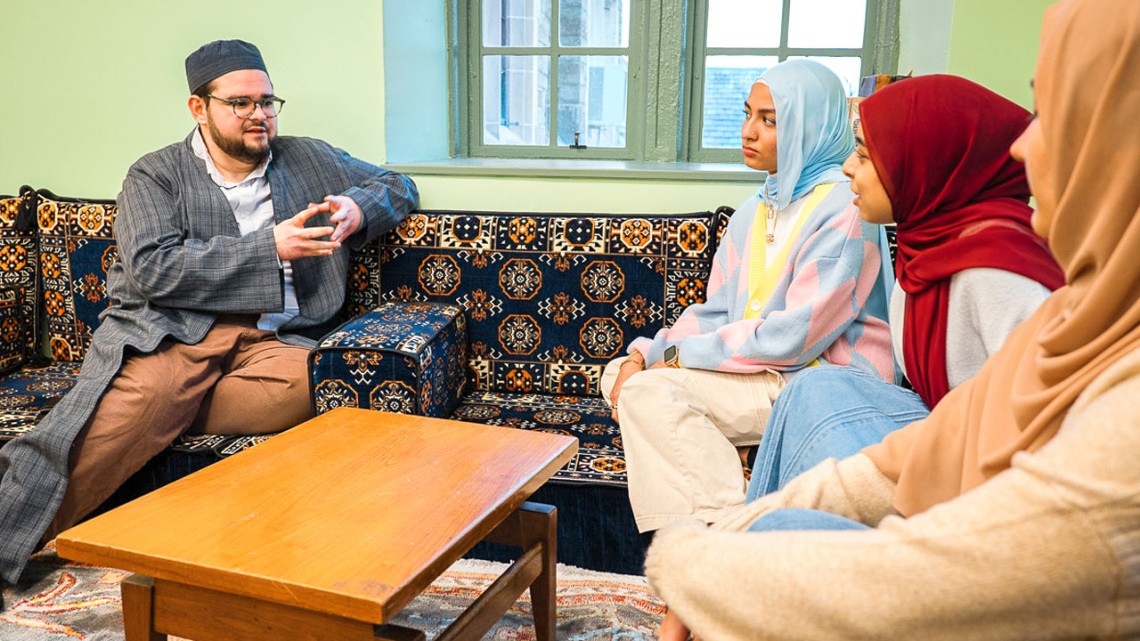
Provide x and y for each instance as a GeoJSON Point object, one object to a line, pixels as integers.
{"type": "Point", "coordinates": [672, 629]}
{"type": "Point", "coordinates": [633, 364]}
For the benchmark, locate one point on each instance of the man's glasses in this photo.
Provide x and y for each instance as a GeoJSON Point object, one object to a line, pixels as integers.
{"type": "Point", "coordinates": [245, 107]}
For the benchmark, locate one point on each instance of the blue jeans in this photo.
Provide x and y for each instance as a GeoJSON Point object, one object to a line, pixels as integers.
{"type": "Point", "coordinates": [803, 520]}
{"type": "Point", "coordinates": [827, 412]}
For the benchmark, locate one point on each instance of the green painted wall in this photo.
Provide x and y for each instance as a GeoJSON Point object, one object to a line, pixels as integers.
{"type": "Point", "coordinates": [88, 86]}
{"type": "Point", "coordinates": [994, 43]}
{"type": "Point", "coordinates": [578, 195]}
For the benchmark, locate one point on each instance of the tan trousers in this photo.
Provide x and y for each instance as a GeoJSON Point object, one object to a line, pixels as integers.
{"type": "Point", "coordinates": [237, 380]}
{"type": "Point", "coordinates": [680, 429]}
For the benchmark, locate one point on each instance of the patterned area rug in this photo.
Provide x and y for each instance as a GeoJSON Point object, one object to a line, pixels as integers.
{"type": "Point", "coordinates": [59, 600]}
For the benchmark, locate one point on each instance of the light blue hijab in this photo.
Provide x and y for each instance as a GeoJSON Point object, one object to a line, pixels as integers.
{"type": "Point", "coordinates": [813, 134]}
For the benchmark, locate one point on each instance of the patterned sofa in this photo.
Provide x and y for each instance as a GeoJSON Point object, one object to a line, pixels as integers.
{"type": "Point", "coordinates": [497, 318]}
{"type": "Point", "coordinates": [54, 255]}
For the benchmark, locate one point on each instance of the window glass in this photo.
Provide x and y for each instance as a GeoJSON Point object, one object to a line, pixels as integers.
{"type": "Point", "coordinates": [516, 23]}
{"type": "Point", "coordinates": [516, 100]}
{"type": "Point", "coordinates": [584, 23]}
{"type": "Point", "coordinates": [843, 27]}
{"type": "Point", "coordinates": [728, 79]}
{"type": "Point", "coordinates": [847, 68]}
{"type": "Point", "coordinates": [744, 23]}
{"type": "Point", "coordinates": [592, 100]}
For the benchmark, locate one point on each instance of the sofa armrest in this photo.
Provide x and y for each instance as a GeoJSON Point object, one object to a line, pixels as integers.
{"type": "Point", "coordinates": [401, 357]}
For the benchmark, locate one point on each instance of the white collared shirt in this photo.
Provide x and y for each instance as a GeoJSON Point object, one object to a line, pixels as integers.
{"type": "Point", "coordinates": [252, 204]}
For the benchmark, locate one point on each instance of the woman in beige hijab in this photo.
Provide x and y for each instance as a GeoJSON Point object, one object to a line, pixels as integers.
{"type": "Point", "coordinates": [1013, 510]}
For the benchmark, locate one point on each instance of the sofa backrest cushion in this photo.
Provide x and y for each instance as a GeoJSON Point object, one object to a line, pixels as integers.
{"type": "Point", "coordinates": [19, 261]}
{"type": "Point", "coordinates": [363, 293]}
{"type": "Point", "coordinates": [550, 298]}
{"type": "Point", "coordinates": [13, 330]}
{"type": "Point", "coordinates": [77, 246]}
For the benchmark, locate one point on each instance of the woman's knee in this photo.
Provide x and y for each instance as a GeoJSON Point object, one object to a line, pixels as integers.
{"type": "Point", "coordinates": [800, 519]}
{"type": "Point", "coordinates": [827, 379]}
{"type": "Point", "coordinates": [649, 386]}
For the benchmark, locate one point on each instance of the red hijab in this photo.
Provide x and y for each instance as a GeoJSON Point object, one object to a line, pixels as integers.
{"type": "Point", "coordinates": [940, 145]}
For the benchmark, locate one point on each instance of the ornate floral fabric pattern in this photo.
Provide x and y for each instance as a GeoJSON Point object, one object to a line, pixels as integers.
{"type": "Point", "coordinates": [28, 392]}
{"type": "Point", "coordinates": [409, 358]}
{"type": "Point", "coordinates": [13, 330]}
{"type": "Point", "coordinates": [550, 298]}
{"type": "Point", "coordinates": [219, 445]}
{"type": "Point", "coordinates": [600, 459]}
{"type": "Point", "coordinates": [77, 246]}
{"type": "Point", "coordinates": [363, 281]}
{"type": "Point", "coordinates": [19, 260]}
{"type": "Point", "coordinates": [25, 394]}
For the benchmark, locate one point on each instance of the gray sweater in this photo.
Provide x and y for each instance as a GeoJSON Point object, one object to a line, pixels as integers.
{"type": "Point", "coordinates": [985, 305]}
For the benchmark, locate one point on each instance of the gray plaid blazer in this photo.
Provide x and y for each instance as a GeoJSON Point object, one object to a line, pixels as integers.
{"type": "Point", "coordinates": [182, 262]}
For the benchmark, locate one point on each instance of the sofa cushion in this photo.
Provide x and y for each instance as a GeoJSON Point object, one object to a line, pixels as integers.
{"type": "Point", "coordinates": [77, 246]}
{"type": "Point", "coordinates": [19, 260]}
{"type": "Point", "coordinates": [27, 393]}
{"type": "Point", "coordinates": [400, 357]}
{"type": "Point", "coordinates": [13, 330]}
{"type": "Point", "coordinates": [600, 459]}
{"type": "Point", "coordinates": [363, 293]}
{"type": "Point", "coordinates": [550, 298]}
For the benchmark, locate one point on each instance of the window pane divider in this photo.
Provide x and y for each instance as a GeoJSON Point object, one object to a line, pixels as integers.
{"type": "Point", "coordinates": [555, 36]}
{"type": "Point", "coordinates": [785, 53]}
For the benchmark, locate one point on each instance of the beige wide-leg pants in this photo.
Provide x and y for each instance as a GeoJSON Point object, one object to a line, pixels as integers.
{"type": "Point", "coordinates": [236, 380]}
{"type": "Point", "coordinates": [680, 429]}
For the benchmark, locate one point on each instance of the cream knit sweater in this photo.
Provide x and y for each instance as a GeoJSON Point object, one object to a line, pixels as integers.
{"type": "Point", "coordinates": [1049, 549]}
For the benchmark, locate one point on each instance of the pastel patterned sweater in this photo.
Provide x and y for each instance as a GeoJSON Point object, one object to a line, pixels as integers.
{"type": "Point", "coordinates": [828, 302]}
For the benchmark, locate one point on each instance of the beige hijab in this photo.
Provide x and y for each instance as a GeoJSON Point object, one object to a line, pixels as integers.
{"type": "Point", "coordinates": [1088, 100]}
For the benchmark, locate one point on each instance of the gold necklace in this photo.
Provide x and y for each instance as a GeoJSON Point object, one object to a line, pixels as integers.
{"type": "Point", "coordinates": [770, 222]}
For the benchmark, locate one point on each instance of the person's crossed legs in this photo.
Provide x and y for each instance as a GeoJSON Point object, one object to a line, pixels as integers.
{"type": "Point", "coordinates": [236, 380]}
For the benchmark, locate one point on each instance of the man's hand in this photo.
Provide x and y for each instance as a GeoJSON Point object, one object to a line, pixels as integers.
{"type": "Point", "coordinates": [346, 214]}
{"type": "Point", "coordinates": [294, 240]}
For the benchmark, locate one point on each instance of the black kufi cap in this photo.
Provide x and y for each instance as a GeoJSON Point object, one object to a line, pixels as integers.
{"type": "Point", "coordinates": [217, 58]}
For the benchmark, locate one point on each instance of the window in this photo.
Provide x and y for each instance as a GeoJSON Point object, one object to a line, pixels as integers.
{"type": "Point", "coordinates": [549, 78]}
{"type": "Point", "coordinates": [657, 80]}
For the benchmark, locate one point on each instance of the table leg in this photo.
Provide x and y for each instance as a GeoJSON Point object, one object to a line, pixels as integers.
{"type": "Point", "coordinates": [389, 632]}
{"type": "Point", "coordinates": [539, 524]}
{"type": "Point", "coordinates": [138, 609]}
{"type": "Point", "coordinates": [534, 528]}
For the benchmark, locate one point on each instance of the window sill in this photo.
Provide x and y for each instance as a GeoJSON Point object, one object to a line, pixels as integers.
{"type": "Point", "coordinates": [558, 168]}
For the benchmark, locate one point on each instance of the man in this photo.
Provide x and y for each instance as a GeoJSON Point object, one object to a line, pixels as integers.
{"type": "Point", "coordinates": [233, 248]}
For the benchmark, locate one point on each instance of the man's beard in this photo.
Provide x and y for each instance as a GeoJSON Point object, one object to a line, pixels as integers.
{"type": "Point", "coordinates": [237, 147]}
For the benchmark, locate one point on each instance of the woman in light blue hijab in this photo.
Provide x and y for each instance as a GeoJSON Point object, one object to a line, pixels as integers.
{"type": "Point", "coordinates": [798, 280]}
{"type": "Point", "coordinates": [793, 284]}
{"type": "Point", "coordinates": [814, 136]}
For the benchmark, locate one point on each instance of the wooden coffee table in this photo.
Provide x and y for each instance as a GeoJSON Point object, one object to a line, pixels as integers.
{"type": "Point", "coordinates": [328, 530]}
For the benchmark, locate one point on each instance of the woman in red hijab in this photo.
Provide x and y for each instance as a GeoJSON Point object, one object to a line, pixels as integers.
{"type": "Point", "coordinates": [932, 156]}
{"type": "Point", "coordinates": [969, 265]}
